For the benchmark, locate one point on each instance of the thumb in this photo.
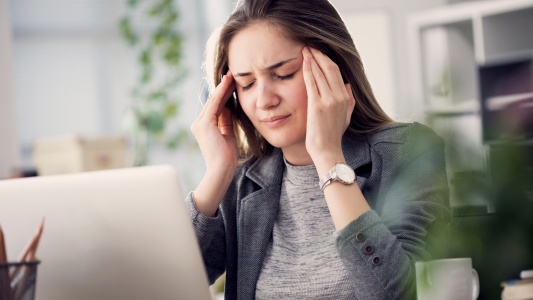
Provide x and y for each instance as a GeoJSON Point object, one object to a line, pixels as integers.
{"type": "Point", "coordinates": [225, 122]}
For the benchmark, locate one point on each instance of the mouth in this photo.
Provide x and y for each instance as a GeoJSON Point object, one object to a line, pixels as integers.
{"type": "Point", "coordinates": [275, 120]}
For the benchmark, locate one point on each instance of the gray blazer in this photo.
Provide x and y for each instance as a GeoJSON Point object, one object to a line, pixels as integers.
{"type": "Point", "coordinates": [401, 171]}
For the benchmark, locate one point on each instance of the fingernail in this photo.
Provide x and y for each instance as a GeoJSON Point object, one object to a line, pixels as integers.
{"type": "Point", "coordinates": [306, 49]}
{"type": "Point", "coordinates": [223, 77]}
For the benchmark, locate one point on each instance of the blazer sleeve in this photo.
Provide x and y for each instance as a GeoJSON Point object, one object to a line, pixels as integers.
{"type": "Point", "coordinates": [211, 239]}
{"type": "Point", "coordinates": [379, 250]}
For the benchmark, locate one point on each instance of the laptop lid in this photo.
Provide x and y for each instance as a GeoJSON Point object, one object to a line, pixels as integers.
{"type": "Point", "coordinates": [118, 234]}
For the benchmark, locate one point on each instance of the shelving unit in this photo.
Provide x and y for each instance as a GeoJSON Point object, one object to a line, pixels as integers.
{"type": "Point", "coordinates": [472, 63]}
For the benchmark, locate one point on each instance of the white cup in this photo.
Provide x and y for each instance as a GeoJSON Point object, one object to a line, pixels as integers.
{"type": "Point", "coordinates": [447, 279]}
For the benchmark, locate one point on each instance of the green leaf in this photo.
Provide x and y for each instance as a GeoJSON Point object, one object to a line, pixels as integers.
{"type": "Point", "coordinates": [172, 145]}
{"type": "Point", "coordinates": [157, 38]}
{"type": "Point", "coordinates": [146, 75]}
{"type": "Point", "coordinates": [153, 121]}
{"type": "Point", "coordinates": [158, 95]}
{"type": "Point", "coordinates": [126, 30]}
{"type": "Point", "coordinates": [171, 18]}
{"type": "Point", "coordinates": [133, 3]}
{"type": "Point", "coordinates": [171, 109]}
{"type": "Point", "coordinates": [167, 3]}
{"type": "Point", "coordinates": [146, 57]}
{"type": "Point", "coordinates": [177, 139]}
{"type": "Point", "coordinates": [157, 8]}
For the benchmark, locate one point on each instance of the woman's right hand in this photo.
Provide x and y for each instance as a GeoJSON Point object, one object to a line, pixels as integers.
{"type": "Point", "coordinates": [213, 130]}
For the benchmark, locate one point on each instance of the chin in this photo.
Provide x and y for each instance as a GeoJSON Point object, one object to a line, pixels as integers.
{"type": "Point", "coordinates": [283, 141]}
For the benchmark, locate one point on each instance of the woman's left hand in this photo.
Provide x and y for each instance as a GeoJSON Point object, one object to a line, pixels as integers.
{"type": "Point", "coordinates": [329, 107]}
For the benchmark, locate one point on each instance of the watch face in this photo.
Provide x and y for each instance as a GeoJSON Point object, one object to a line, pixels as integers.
{"type": "Point", "coordinates": [345, 173]}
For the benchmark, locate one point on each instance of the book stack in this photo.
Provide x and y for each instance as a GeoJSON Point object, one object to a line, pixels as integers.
{"type": "Point", "coordinates": [519, 289]}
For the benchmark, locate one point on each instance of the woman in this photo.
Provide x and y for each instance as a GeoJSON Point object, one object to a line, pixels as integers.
{"type": "Point", "coordinates": [269, 211]}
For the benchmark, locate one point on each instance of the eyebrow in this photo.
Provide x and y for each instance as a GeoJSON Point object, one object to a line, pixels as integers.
{"type": "Point", "coordinates": [270, 68]}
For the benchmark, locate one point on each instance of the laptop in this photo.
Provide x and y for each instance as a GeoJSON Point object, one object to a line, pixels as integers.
{"type": "Point", "coordinates": [117, 234]}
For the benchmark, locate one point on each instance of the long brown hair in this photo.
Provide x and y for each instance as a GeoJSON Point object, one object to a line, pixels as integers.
{"type": "Point", "coordinates": [314, 23]}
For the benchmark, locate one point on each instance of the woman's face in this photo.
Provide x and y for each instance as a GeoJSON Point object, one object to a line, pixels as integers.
{"type": "Point", "coordinates": [270, 85]}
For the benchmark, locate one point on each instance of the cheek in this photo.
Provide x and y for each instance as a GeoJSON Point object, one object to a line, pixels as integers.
{"type": "Point", "coordinates": [296, 95]}
{"type": "Point", "coordinates": [248, 106]}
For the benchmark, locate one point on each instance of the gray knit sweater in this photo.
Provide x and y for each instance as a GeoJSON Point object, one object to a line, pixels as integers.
{"type": "Point", "coordinates": [301, 261]}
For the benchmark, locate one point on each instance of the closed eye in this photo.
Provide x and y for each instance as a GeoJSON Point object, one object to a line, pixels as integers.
{"type": "Point", "coordinates": [286, 76]}
{"type": "Point", "coordinates": [244, 88]}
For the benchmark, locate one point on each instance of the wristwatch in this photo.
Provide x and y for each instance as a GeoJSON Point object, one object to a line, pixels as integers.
{"type": "Point", "coordinates": [341, 172]}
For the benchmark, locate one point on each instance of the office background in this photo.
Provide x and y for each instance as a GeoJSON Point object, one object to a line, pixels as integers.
{"type": "Point", "coordinates": [65, 69]}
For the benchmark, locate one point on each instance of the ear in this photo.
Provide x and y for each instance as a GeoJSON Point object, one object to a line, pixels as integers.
{"type": "Point", "coordinates": [351, 104]}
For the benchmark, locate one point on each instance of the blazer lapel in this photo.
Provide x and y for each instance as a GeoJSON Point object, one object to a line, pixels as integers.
{"type": "Point", "coordinates": [256, 218]}
{"type": "Point", "coordinates": [356, 150]}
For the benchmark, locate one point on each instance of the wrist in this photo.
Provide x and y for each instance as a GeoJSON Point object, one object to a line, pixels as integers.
{"type": "Point", "coordinates": [325, 161]}
{"type": "Point", "coordinates": [210, 192]}
{"type": "Point", "coordinates": [219, 177]}
{"type": "Point", "coordinates": [226, 171]}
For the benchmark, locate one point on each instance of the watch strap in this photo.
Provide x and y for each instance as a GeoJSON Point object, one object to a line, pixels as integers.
{"type": "Point", "coordinates": [326, 179]}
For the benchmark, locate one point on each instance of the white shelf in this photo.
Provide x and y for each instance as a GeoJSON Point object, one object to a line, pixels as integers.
{"type": "Point", "coordinates": [467, 107]}
{"type": "Point", "coordinates": [500, 102]}
{"type": "Point", "coordinates": [499, 26]}
{"type": "Point", "coordinates": [449, 68]}
{"type": "Point", "coordinates": [450, 42]}
{"type": "Point", "coordinates": [450, 47]}
{"type": "Point", "coordinates": [509, 56]}
{"type": "Point", "coordinates": [465, 11]}
{"type": "Point", "coordinates": [508, 32]}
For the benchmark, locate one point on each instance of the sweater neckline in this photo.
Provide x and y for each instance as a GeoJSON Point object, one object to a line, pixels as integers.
{"type": "Point", "coordinates": [300, 175]}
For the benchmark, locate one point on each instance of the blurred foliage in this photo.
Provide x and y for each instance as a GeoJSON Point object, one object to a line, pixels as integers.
{"type": "Point", "coordinates": [499, 243]}
{"type": "Point", "coordinates": [159, 51]}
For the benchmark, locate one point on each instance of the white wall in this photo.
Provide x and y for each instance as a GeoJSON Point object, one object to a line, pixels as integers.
{"type": "Point", "coordinates": [397, 9]}
{"type": "Point", "coordinates": [371, 32]}
{"type": "Point", "coordinates": [9, 155]}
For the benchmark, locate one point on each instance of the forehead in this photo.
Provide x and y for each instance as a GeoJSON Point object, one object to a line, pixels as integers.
{"type": "Point", "coordinates": [259, 46]}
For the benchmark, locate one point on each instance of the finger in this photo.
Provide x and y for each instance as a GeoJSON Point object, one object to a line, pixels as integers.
{"type": "Point", "coordinates": [349, 93]}
{"type": "Point", "coordinates": [351, 104]}
{"type": "Point", "coordinates": [309, 79]}
{"type": "Point", "coordinates": [320, 80]}
{"type": "Point", "coordinates": [346, 92]}
{"type": "Point", "coordinates": [218, 96]}
{"type": "Point", "coordinates": [210, 100]}
{"type": "Point", "coordinates": [227, 94]}
{"type": "Point", "coordinates": [229, 90]}
{"type": "Point", "coordinates": [225, 122]}
{"type": "Point", "coordinates": [203, 109]}
{"type": "Point", "coordinates": [330, 69]}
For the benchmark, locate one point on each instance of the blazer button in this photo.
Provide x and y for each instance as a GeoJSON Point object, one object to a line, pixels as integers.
{"type": "Point", "coordinates": [376, 261]}
{"type": "Point", "coordinates": [369, 249]}
{"type": "Point", "coordinates": [360, 237]}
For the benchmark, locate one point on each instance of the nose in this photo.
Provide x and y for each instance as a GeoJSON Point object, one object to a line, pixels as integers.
{"type": "Point", "coordinates": [267, 97]}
